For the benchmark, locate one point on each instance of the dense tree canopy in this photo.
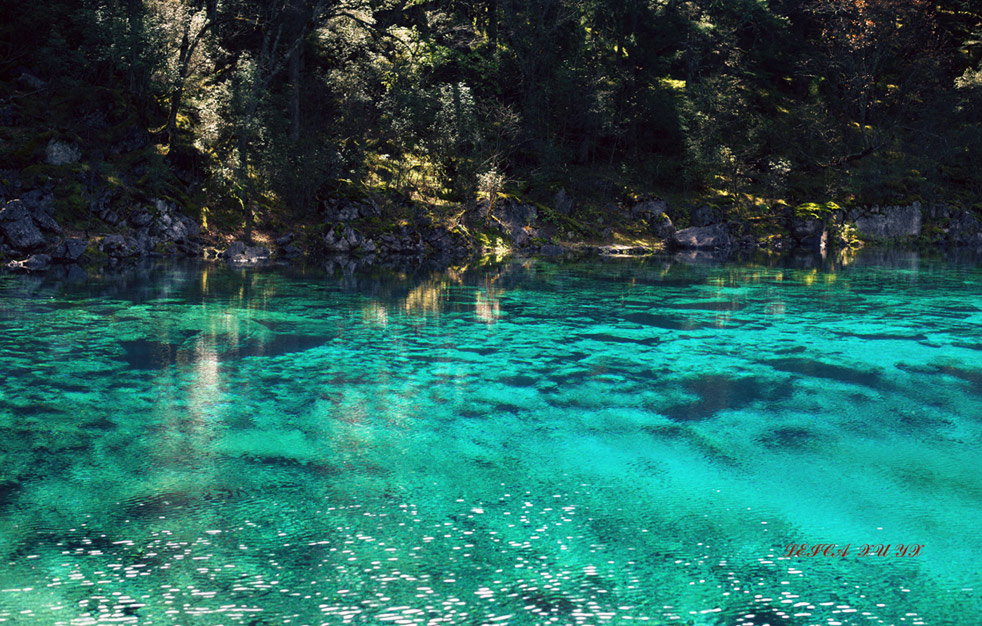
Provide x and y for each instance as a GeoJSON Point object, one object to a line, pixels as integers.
{"type": "Point", "coordinates": [281, 102]}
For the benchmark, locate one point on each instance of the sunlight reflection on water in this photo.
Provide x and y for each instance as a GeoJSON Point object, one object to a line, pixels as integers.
{"type": "Point", "coordinates": [536, 441]}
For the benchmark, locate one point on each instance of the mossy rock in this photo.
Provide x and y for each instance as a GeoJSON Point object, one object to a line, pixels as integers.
{"type": "Point", "coordinates": [130, 160]}
{"type": "Point", "coordinates": [166, 248]}
{"type": "Point", "coordinates": [815, 210]}
{"type": "Point", "coordinates": [491, 240]}
{"type": "Point", "coordinates": [116, 132]}
{"type": "Point", "coordinates": [70, 201]}
{"type": "Point", "coordinates": [31, 150]}
{"type": "Point", "coordinates": [95, 254]}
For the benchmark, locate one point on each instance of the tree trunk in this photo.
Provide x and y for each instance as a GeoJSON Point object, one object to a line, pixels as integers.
{"type": "Point", "coordinates": [245, 183]}
{"type": "Point", "coordinates": [295, 73]}
{"type": "Point", "coordinates": [183, 61]}
{"type": "Point", "coordinates": [493, 21]}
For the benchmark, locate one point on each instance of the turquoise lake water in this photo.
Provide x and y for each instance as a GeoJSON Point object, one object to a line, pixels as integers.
{"type": "Point", "coordinates": [593, 442]}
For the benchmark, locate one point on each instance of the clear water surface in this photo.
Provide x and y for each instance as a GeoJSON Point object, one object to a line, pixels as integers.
{"type": "Point", "coordinates": [533, 443]}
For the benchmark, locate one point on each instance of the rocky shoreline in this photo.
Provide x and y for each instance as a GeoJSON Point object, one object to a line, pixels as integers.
{"type": "Point", "coordinates": [352, 234]}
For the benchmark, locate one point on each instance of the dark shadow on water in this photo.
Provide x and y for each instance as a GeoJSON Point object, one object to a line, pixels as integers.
{"type": "Point", "coordinates": [817, 369]}
{"type": "Point", "coordinates": [480, 351]}
{"type": "Point", "coordinates": [881, 336]}
{"type": "Point", "coordinates": [972, 377]}
{"type": "Point", "coordinates": [789, 437]}
{"type": "Point", "coordinates": [667, 322]}
{"type": "Point", "coordinates": [277, 346]}
{"type": "Point", "coordinates": [153, 506]}
{"type": "Point", "coordinates": [700, 443]}
{"type": "Point", "coordinates": [8, 492]}
{"type": "Point", "coordinates": [147, 354]}
{"type": "Point", "coordinates": [519, 381]}
{"type": "Point", "coordinates": [718, 393]}
{"type": "Point", "coordinates": [608, 338]}
{"type": "Point", "coordinates": [708, 305]}
{"type": "Point", "coordinates": [144, 354]}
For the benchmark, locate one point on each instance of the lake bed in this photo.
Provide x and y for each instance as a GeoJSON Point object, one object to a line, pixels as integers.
{"type": "Point", "coordinates": [531, 442]}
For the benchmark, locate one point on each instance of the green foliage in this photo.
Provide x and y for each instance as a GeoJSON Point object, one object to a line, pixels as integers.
{"type": "Point", "coordinates": [815, 210]}
{"type": "Point", "coordinates": [273, 105]}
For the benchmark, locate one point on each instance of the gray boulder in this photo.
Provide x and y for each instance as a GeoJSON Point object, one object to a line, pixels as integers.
{"type": "Point", "coordinates": [119, 247]}
{"type": "Point", "coordinates": [478, 213]}
{"type": "Point", "coordinates": [513, 218]}
{"type": "Point", "coordinates": [405, 242]}
{"type": "Point", "coordinates": [38, 201]}
{"type": "Point", "coordinates": [251, 255]}
{"type": "Point", "coordinates": [892, 222]}
{"type": "Point", "coordinates": [520, 237]}
{"type": "Point", "coordinates": [342, 241]}
{"type": "Point", "coordinates": [46, 222]}
{"type": "Point", "coordinates": [69, 250]}
{"type": "Point", "coordinates": [109, 216]}
{"type": "Point", "coordinates": [61, 153]}
{"type": "Point", "coordinates": [516, 212]}
{"type": "Point", "coordinates": [29, 80]}
{"type": "Point", "coordinates": [648, 209]}
{"type": "Point", "coordinates": [663, 228]}
{"type": "Point", "coordinates": [235, 249]}
{"type": "Point", "coordinates": [172, 225]}
{"type": "Point", "coordinates": [140, 218]}
{"type": "Point", "coordinates": [563, 203]}
{"type": "Point", "coordinates": [15, 211]}
{"type": "Point", "coordinates": [809, 232]}
{"type": "Point", "coordinates": [706, 216]}
{"type": "Point", "coordinates": [239, 253]}
{"type": "Point", "coordinates": [702, 238]}
{"type": "Point", "coordinates": [290, 251]}
{"type": "Point", "coordinates": [347, 240]}
{"type": "Point", "coordinates": [339, 211]}
{"type": "Point", "coordinates": [805, 227]}
{"type": "Point", "coordinates": [19, 228]}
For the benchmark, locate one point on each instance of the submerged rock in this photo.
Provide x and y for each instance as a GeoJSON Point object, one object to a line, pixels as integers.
{"type": "Point", "coordinates": [716, 393]}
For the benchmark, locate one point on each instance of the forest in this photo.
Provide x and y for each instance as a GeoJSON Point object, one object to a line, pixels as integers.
{"type": "Point", "coordinates": [252, 113]}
